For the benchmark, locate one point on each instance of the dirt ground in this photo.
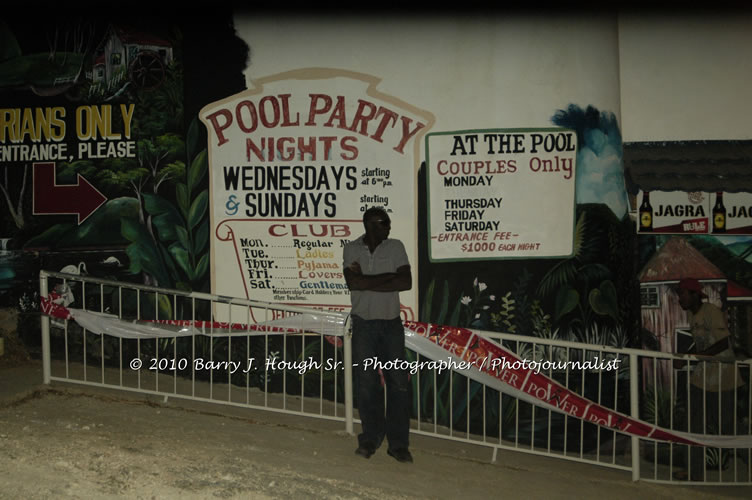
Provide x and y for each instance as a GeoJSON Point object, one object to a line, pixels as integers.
{"type": "Point", "coordinates": [67, 441]}
{"type": "Point", "coordinates": [72, 441]}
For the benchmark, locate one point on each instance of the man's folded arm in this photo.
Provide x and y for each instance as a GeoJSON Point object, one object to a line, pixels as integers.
{"type": "Point", "coordinates": [398, 281]}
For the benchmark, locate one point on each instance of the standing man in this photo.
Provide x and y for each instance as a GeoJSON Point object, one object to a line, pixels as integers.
{"type": "Point", "coordinates": [376, 269]}
{"type": "Point", "coordinates": [713, 382]}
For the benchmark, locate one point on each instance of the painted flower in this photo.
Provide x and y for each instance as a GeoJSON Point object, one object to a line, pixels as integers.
{"type": "Point", "coordinates": [466, 300]}
{"type": "Point", "coordinates": [482, 286]}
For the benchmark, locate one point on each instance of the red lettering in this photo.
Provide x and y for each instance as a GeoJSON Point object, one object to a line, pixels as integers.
{"type": "Point", "coordinates": [314, 109]}
{"type": "Point", "coordinates": [251, 113]}
{"type": "Point", "coordinates": [220, 127]}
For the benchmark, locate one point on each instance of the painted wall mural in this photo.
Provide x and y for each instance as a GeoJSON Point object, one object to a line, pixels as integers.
{"type": "Point", "coordinates": [98, 172]}
{"type": "Point", "coordinates": [115, 128]}
{"type": "Point", "coordinates": [135, 151]}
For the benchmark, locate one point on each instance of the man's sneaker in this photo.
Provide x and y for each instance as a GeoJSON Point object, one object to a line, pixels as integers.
{"type": "Point", "coordinates": [365, 450]}
{"type": "Point", "coordinates": [401, 455]}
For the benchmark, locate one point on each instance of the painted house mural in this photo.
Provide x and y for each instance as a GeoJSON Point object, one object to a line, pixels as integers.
{"type": "Point", "coordinates": [682, 174]}
{"type": "Point", "coordinates": [660, 311]}
{"type": "Point", "coordinates": [661, 314]}
{"type": "Point", "coordinates": [136, 57]}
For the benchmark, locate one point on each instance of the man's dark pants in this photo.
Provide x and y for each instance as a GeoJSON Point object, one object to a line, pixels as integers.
{"type": "Point", "coordinates": [703, 414]}
{"type": "Point", "coordinates": [383, 340]}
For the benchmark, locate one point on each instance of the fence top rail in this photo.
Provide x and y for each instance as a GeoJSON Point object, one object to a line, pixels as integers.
{"type": "Point", "coordinates": [43, 274]}
{"type": "Point", "coordinates": [626, 351]}
{"type": "Point", "coordinates": [593, 347]}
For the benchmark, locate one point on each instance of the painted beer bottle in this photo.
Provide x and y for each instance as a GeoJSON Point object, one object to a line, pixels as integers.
{"type": "Point", "coordinates": [646, 213]}
{"type": "Point", "coordinates": [719, 214]}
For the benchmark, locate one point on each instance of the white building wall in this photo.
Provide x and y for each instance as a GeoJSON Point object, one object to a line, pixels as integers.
{"type": "Point", "coordinates": [686, 77]}
{"type": "Point", "coordinates": [470, 72]}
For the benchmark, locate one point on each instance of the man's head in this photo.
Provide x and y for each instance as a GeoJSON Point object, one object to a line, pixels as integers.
{"type": "Point", "coordinates": [377, 224]}
{"type": "Point", "coordinates": [690, 294]}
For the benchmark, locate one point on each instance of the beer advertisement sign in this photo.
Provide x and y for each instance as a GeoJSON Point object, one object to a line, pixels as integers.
{"type": "Point", "coordinates": [674, 212]}
{"type": "Point", "coordinates": [501, 193]}
{"type": "Point", "coordinates": [732, 213]}
{"type": "Point", "coordinates": [294, 163]}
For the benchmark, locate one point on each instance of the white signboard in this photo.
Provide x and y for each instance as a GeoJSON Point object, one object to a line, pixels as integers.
{"type": "Point", "coordinates": [501, 193]}
{"type": "Point", "coordinates": [673, 212]}
{"type": "Point", "coordinates": [294, 163]}
{"type": "Point", "coordinates": [731, 213]}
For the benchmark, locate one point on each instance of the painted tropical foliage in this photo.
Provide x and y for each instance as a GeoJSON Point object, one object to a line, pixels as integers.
{"type": "Point", "coordinates": [153, 227]}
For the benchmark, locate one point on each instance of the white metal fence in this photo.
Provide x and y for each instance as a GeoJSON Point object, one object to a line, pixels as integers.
{"type": "Point", "coordinates": [231, 360]}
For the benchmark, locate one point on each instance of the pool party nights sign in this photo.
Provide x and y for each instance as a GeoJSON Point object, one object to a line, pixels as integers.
{"type": "Point", "coordinates": [294, 162]}
{"type": "Point", "coordinates": [501, 193]}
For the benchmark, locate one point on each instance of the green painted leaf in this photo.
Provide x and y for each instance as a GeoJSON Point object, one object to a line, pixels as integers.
{"type": "Point", "coordinates": [454, 319]}
{"type": "Point", "coordinates": [132, 230]}
{"type": "Point", "coordinates": [183, 199]}
{"type": "Point", "coordinates": [165, 307]}
{"type": "Point", "coordinates": [197, 170]}
{"type": "Point", "coordinates": [134, 259]}
{"type": "Point", "coordinates": [166, 226]}
{"type": "Point", "coordinates": [143, 255]}
{"type": "Point", "coordinates": [425, 311]}
{"type": "Point", "coordinates": [201, 237]}
{"type": "Point", "coordinates": [566, 300]}
{"type": "Point", "coordinates": [603, 300]}
{"type": "Point", "coordinates": [193, 138]}
{"type": "Point", "coordinates": [181, 256]}
{"type": "Point", "coordinates": [198, 209]}
{"type": "Point", "coordinates": [444, 304]}
{"type": "Point", "coordinates": [202, 267]}
{"type": "Point", "coordinates": [183, 238]}
{"type": "Point", "coordinates": [165, 218]}
{"type": "Point", "coordinates": [169, 265]}
{"type": "Point", "coordinates": [156, 205]}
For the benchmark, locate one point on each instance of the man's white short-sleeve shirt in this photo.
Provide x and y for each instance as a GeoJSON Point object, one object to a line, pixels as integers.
{"type": "Point", "coordinates": [389, 256]}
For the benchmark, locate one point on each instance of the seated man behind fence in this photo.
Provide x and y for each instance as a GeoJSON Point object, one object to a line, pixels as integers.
{"type": "Point", "coordinates": [713, 383]}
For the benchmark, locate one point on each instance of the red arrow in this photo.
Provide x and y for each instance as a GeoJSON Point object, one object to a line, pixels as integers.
{"type": "Point", "coordinates": [50, 198]}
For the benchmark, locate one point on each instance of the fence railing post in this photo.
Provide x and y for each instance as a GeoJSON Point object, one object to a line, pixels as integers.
{"type": "Point", "coordinates": [634, 408]}
{"type": "Point", "coordinates": [347, 346]}
{"type": "Point", "coordinates": [43, 292]}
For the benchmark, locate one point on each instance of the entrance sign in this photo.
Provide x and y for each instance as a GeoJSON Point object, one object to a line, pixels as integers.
{"type": "Point", "coordinates": [501, 193]}
{"type": "Point", "coordinates": [294, 162]}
